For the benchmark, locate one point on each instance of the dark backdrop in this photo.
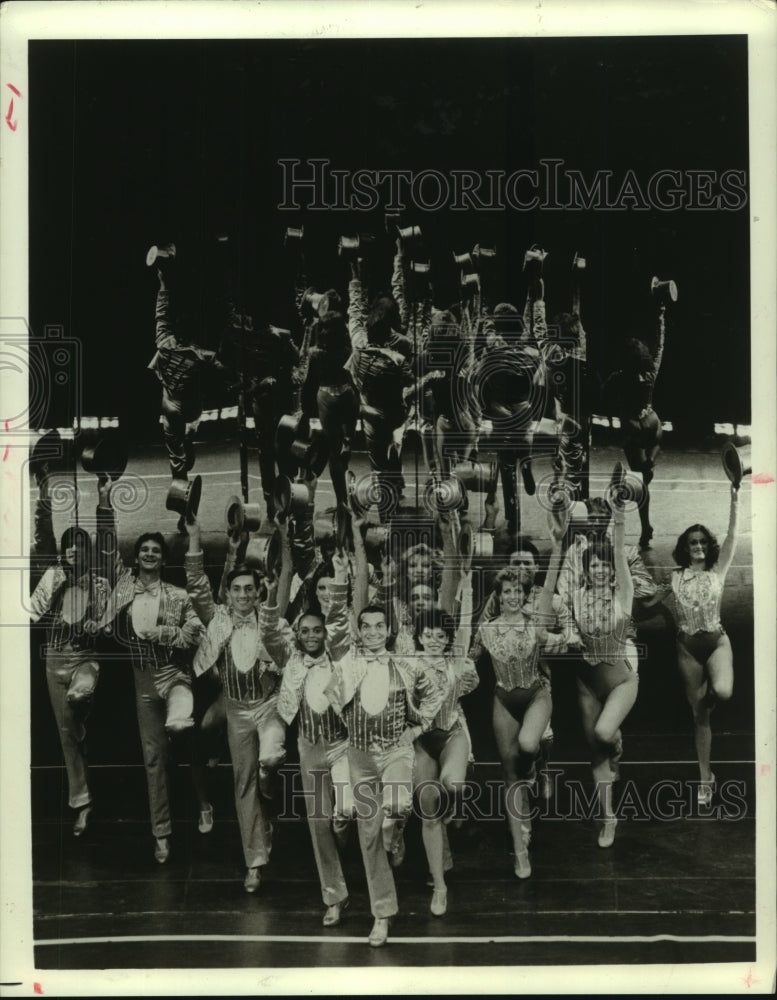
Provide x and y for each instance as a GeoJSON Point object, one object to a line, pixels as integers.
{"type": "Point", "coordinates": [134, 142]}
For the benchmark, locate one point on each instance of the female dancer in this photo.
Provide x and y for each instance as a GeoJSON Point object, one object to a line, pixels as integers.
{"type": "Point", "coordinates": [607, 678]}
{"type": "Point", "coordinates": [522, 702]}
{"type": "Point", "coordinates": [703, 648]}
{"type": "Point", "coordinates": [442, 753]}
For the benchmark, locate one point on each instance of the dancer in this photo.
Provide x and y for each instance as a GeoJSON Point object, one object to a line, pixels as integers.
{"type": "Point", "coordinates": [506, 382]}
{"type": "Point", "coordinates": [306, 663]}
{"type": "Point", "coordinates": [179, 364]}
{"type": "Point", "coordinates": [386, 702]}
{"type": "Point", "coordinates": [157, 627]}
{"type": "Point", "coordinates": [381, 370]}
{"type": "Point", "coordinates": [522, 699]}
{"type": "Point", "coordinates": [73, 591]}
{"type": "Point", "coordinates": [261, 359]}
{"type": "Point", "coordinates": [633, 386]}
{"type": "Point", "coordinates": [330, 394]}
{"type": "Point", "coordinates": [442, 754]}
{"type": "Point", "coordinates": [704, 653]}
{"type": "Point", "coordinates": [233, 647]}
{"type": "Point", "coordinates": [607, 678]}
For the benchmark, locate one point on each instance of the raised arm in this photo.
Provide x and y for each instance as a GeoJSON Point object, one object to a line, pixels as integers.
{"type": "Point", "coordinates": [624, 585]}
{"type": "Point", "coordinates": [361, 576]}
{"type": "Point", "coordinates": [398, 284]}
{"type": "Point", "coordinates": [287, 570]}
{"type": "Point", "coordinates": [449, 583]}
{"type": "Point", "coordinates": [44, 541]}
{"type": "Point", "coordinates": [338, 629]}
{"type": "Point", "coordinates": [197, 583]}
{"type": "Point", "coordinates": [729, 545]}
{"type": "Point", "coordinates": [276, 639]}
{"type": "Point", "coordinates": [659, 353]}
{"type": "Point", "coordinates": [357, 309]}
{"type": "Point", "coordinates": [464, 632]}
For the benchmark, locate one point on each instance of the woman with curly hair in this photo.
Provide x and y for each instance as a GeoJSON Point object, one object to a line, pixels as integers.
{"type": "Point", "coordinates": [522, 705]}
{"type": "Point", "coordinates": [442, 753]}
{"type": "Point", "coordinates": [607, 678]}
{"type": "Point", "coordinates": [703, 649]}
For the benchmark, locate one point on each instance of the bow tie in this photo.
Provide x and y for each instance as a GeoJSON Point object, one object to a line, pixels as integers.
{"type": "Point", "coordinates": [313, 661]}
{"type": "Point", "coordinates": [239, 622]}
{"type": "Point", "coordinates": [152, 589]}
{"type": "Point", "coordinates": [383, 657]}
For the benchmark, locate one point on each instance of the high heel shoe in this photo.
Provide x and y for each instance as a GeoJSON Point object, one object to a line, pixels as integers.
{"type": "Point", "coordinates": [82, 820]}
{"type": "Point", "coordinates": [522, 864]}
{"type": "Point", "coordinates": [705, 791]}
{"type": "Point", "coordinates": [439, 905]}
{"type": "Point", "coordinates": [607, 833]}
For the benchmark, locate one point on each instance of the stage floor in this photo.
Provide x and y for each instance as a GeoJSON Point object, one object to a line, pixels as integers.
{"type": "Point", "coordinates": [673, 890]}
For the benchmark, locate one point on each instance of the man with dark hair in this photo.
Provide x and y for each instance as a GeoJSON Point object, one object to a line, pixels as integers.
{"type": "Point", "coordinates": [323, 739]}
{"type": "Point", "coordinates": [157, 626]}
{"type": "Point", "coordinates": [73, 590]}
{"type": "Point", "coordinates": [386, 702]}
{"type": "Point", "coordinates": [233, 647]}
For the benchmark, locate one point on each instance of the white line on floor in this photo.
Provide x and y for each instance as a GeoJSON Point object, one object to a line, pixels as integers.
{"type": "Point", "coordinates": [318, 938]}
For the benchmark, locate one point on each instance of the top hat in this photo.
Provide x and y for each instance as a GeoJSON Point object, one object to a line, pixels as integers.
{"type": "Point", "coordinates": [183, 497]}
{"type": "Point", "coordinates": [264, 551]}
{"type": "Point", "coordinates": [293, 236]}
{"type": "Point", "coordinates": [241, 516]}
{"type": "Point", "coordinates": [106, 456]}
{"type": "Point", "coordinates": [737, 462]}
{"type": "Point", "coordinates": [46, 448]}
{"type": "Point", "coordinates": [160, 255]}
{"type": "Point", "coordinates": [663, 290]}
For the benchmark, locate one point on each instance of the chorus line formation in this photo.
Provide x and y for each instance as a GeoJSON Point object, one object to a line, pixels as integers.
{"type": "Point", "coordinates": [363, 627]}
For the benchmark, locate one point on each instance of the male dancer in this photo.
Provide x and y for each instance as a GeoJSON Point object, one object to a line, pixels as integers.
{"type": "Point", "coordinates": [386, 703]}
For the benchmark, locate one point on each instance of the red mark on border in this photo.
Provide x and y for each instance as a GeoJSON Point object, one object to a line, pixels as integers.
{"type": "Point", "coordinates": [762, 478]}
{"type": "Point", "coordinates": [765, 769]}
{"type": "Point", "coordinates": [750, 980]}
{"type": "Point", "coordinates": [37, 987]}
{"type": "Point", "coordinates": [9, 118]}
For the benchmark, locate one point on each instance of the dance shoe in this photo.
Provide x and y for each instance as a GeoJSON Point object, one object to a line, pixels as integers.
{"type": "Point", "coordinates": [334, 913]}
{"type": "Point", "coordinates": [252, 880]}
{"type": "Point", "coordinates": [82, 820]}
{"type": "Point", "coordinates": [379, 933]}
{"type": "Point", "coordinates": [439, 905]}
{"type": "Point", "coordinates": [206, 820]}
{"type": "Point", "coordinates": [607, 833]}
{"type": "Point", "coordinates": [705, 792]}
{"type": "Point", "coordinates": [162, 849]}
{"type": "Point", "coordinates": [522, 864]}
